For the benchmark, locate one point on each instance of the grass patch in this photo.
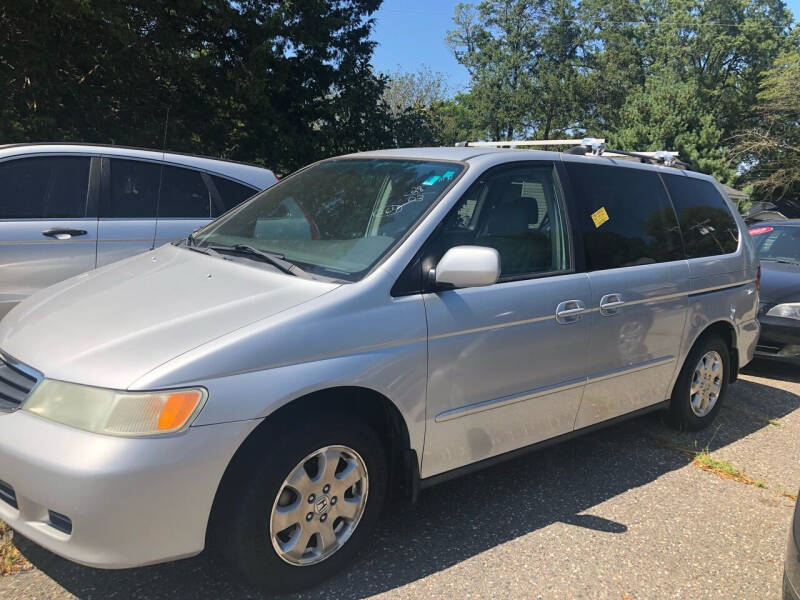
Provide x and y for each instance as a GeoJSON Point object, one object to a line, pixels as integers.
{"type": "Point", "coordinates": [774, 422]}
{"type": "Point", "coordinates": [11, 560]}
{"type": "Point", "coordinates": [703, 459]}
{"type": "Point", "coordinates": [723, 468]}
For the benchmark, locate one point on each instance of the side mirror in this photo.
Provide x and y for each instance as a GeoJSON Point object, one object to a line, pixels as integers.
{"type": "Point", "coordinates": [467, 266]}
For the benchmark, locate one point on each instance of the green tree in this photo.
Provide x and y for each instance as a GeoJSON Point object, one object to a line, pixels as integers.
{"type": "Point", "coordinates": [455, 120]}
{"type": "Point", "coordinates": [525, 60]}
{"type": "Point", "coordinates": [770, 148]}
{"type": "Point", "coordinates": [495, 41]}
{"type": "Point", "coordinates": [668, 114]}
{"type": "Point", "coordinates": [276, 82]}
{"type": "Point", "coordinates": [414, 90]}
{"type": "Point", "coordinates": [680, 74]}
{"type": "Point", "coordinates": [410, 99]}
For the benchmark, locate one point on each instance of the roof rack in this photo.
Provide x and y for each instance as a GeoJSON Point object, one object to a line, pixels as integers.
{"type": "Point", "coordinates": [588, 146]}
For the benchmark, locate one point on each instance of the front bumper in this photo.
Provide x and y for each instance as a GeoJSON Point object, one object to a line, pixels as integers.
{"type": "Point", "coordinates": [779, 339]}
{"type": "Point", "coordinates": [130, 501]}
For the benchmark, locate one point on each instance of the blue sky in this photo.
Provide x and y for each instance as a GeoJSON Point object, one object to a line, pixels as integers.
{"type": "Point", "coordinates": [410, 34]}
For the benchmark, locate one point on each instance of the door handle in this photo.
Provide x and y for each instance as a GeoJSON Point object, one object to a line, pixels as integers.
{"type": "Point", "coordinates": [63, 234]}
{"type": "Point", "coordinates": [570, 311]}
{"type": "Point", "coordinates": [610, 304]}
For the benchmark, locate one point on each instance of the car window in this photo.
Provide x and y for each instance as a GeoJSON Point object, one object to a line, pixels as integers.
{"type": "Point", "coordinates": [706, 222]}
{"type": "Point", "coordinates": [624, 216]}
{"type": "Point", "coordinates": [777, 242]}
{"type": "Point", "coordinates": [134, 189]}
{"type": "Point", "coordinates": [231, 194]}
{"type": "Point", "coordinates": [519, 212]}
{"type": "Point", "coordinates": [183, 194]}
{"type": "Point", "coordinates": [50, 187]}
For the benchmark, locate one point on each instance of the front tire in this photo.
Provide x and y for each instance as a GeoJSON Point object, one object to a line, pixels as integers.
{"type": "Point", "coordinates": [297, 509]}
{"type": "Point", "coordinates": [702, 384]}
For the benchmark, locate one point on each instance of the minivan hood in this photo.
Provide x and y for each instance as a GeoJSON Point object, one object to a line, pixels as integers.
{"type": "Point", "coordinates": [109, 327]}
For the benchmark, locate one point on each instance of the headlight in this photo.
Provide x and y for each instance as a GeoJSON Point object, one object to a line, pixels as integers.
{"type": "Point", "coordinates": [788, 311]}
{"type": "Point", "coordinates": [111, 412]}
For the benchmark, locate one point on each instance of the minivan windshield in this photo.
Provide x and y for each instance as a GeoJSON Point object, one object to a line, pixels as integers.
{"type": "Point", "coordinates": [337, 218]}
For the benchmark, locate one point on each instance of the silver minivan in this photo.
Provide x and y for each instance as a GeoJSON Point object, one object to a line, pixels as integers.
{"type": "Point", "coordinates": [67, 208]}
{"type": "Point", "coordinates": [267, 386]}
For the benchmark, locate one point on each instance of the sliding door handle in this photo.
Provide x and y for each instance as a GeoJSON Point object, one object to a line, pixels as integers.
{"type": "Point", "coordinates": [610, 304]}
{"type": "Point", "coordinates": [570, 311]}
{"type": "Point", "coordinates": [63, 234]}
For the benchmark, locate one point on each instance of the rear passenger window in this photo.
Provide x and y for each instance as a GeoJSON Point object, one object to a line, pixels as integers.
{"type": "Point", "coordinates": [624, 217]}
{"type": "Point", "coordinates": [519, 212]}
{"type": "Point", "coordinates": [134, 189]}
{"type": "Point", "coordinates": [706, 222]}
{"type": "Point", "coordinates": [183, 194]}
{"type": "Point", "coordinates": [44, 188]}
{"type": "Point", "coordinates": [231, 193]}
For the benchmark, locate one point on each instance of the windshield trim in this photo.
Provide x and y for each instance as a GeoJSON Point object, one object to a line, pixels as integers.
{"type": "Point", "coordinates": [360, 157]}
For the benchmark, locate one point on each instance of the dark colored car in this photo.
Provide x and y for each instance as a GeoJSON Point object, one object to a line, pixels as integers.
{"type": "Point", "coordinates": [778, 245]}
{"type": "Point", "coordinates": [791, 567]}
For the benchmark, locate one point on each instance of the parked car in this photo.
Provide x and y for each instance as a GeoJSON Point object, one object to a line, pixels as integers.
{"type": "Point", "coordinates": [66, 208]}
{"type": "Point", "coordinates": [778, 246]}
{"type": "Point", "coordinates": [454, 307]}
{"type": "Point", "coordinates": [791, 565]}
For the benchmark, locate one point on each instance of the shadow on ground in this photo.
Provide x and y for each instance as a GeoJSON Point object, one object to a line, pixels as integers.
{"type": "Point", "coordinates": [773, 369]}
{"type": "Point", "coordinates": [461, 518]}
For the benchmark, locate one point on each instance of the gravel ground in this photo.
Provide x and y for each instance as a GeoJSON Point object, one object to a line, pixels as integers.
{"type": "Point", "coordinates": [621, 514]}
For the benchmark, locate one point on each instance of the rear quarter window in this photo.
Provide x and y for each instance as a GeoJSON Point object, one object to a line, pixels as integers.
{"type": "Point", "coordinates": [624, 217]}
{"type": "Point", "coordinates": [230, 194]}
{"type": "Point", "coordinates": [706, 222]}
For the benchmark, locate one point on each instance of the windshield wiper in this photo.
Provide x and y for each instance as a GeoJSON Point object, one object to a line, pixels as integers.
{"type": "Point", "coordinates": [276, 260]}
{"type": "Point", "coordinates": [783, 261]}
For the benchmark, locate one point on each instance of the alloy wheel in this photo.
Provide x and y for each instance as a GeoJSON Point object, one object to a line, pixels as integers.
{"type": "Point", "coordinates": [319, 505]}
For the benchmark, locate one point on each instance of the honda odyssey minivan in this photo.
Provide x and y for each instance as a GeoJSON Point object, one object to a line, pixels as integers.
{"type": "Point", "coordinates": [266, 386]}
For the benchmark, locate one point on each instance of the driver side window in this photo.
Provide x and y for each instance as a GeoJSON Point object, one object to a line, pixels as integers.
{"type": "Point", "coordinates": [519, 212]}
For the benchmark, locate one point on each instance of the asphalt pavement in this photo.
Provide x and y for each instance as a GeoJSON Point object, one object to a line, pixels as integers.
{"type": "Point", "coordinates": [621, 513]}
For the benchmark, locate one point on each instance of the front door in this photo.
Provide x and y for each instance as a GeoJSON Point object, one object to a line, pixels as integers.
{"type": "Point", "coordinates": [503, 370]}
{"type": "Point", "coordinates": [48, 227]}
{"type": "Point", "coordinates": [640, 282]}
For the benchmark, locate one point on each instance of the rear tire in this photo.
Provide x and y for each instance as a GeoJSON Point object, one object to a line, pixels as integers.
{"type": "Point", "coordinates": [285, 518]}
{"type": "Point", "coordinates": [701, 385]}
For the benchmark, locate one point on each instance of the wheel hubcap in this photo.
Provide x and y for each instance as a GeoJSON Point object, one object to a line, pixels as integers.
{"type": "Point", "coordinates": [319, 505]}
{"type": "Point", "coordinates": [706, 383]}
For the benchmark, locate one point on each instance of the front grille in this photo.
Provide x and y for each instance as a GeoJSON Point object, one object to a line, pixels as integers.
{"type": "Point", "coordinates": [7, 494]}
{"type": "Point", "coordinates": [16, 383]}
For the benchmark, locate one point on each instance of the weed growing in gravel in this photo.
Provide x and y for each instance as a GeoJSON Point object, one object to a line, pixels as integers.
{"type": "Point", "coordinates": [10, 558]}
{"type": "Point", "coordinates": [723, 468]}
{"type": "Point", "coordinates": [774, 422]}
